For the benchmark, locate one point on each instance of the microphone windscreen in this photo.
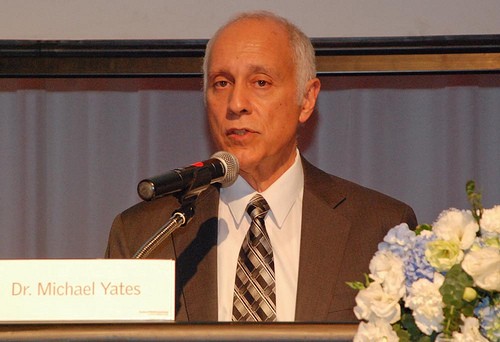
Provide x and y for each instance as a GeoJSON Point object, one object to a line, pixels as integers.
{"type": "Point", "coordinates": [232, 167]}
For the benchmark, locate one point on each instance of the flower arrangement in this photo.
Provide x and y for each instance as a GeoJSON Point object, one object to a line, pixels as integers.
{"type": "Point", "coordinates": [437, 283]}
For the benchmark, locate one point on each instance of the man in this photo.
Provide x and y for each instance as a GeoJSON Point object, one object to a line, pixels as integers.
{"type": "Point", "coordinates": [260, 86]}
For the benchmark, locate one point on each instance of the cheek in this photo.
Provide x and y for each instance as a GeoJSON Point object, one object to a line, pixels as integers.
{"type": "Point", "coordinates": [215, 126]}
{"type": "Point", "coordinates": [213, 103]}
{"type": "Point", "coordinates": [288, 118]}
{"type": "Point", "coordinates": [213, 122]}
{"type": "Point", "coordinates": [213, 110]}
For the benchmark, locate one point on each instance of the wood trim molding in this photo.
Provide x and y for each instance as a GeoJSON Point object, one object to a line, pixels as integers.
{"type": "Point", "coordinates": [174, 58]}
{"type": "Point", "coordinates": [419, 63]}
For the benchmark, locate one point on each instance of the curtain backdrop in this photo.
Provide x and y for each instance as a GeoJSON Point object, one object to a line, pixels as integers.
{"type": "Point", "coordinates": [73, 150]}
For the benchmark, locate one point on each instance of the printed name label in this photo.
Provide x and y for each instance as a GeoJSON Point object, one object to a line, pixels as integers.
{"type": "Point", "coordinates": [87, 290]}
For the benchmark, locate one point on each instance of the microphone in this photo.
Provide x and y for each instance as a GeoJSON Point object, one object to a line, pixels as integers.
{"type": "Point", "coordinates": [222, 167]}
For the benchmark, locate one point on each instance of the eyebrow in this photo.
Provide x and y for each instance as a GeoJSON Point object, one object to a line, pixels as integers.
{"type": "Point", "coordinates": [253, 69]}
{"type": "Point", "coordinates": [259, 69]}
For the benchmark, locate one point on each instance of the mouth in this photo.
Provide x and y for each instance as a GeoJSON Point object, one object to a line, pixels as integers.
{"type": "Point", "coordinates": [238, 132]}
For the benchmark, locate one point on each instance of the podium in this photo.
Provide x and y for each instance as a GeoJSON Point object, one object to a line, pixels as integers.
{"type": "Point", "coordinates": [179, 332]}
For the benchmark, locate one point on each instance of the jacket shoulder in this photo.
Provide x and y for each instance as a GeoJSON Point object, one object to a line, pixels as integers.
{"type": "Point", "coordinates": [355, 199]}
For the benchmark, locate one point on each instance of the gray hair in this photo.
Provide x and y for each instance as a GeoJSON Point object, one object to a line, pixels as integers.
{"type": "Point", "coordinates": [303, 54]}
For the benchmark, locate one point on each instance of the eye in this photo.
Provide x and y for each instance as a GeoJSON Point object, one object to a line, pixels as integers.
{"type": "Point", "coordinates": [221, 84]}
{"type": "Point", "coordinates": [262, 83]}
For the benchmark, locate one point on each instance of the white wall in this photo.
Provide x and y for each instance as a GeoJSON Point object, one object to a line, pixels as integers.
{"type": "Point", "coordinates": [197, 19]}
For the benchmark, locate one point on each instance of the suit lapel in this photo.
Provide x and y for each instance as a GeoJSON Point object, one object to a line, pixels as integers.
{"type": "Point", "coordinates": [323, 241]}
{"type": "Point", "coordinates": [324, 233]}
{"type": "Point", "coordinates": [196, 255]}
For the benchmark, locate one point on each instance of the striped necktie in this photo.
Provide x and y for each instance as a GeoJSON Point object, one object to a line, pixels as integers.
{"type": "Point", "coordinates": [255, 289]}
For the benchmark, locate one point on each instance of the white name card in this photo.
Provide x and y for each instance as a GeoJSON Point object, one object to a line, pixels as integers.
{"type": "Point", "coordinates": [87, 290]}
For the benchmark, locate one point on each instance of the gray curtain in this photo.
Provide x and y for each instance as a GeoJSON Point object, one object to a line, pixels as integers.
{"type": "Point", "coordinates": [73, 150]}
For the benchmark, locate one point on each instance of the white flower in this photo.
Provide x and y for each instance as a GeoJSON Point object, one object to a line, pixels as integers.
{"type": "Point", "coordinates": [388, 269]}
{"type": "Point", "coordinates": [426, 302]}
{"type": "Point", "coordinates": [443, 254]}
{"type": "Point", "coordinates": [410, 269]}
{"type": "Point", "coordinates": [373, 303]}
{"type": "Point", "coordinates": [379, 330]}
{"type": "Point", "coordinates": [469, 331]}
{"type": "Point", "coordinates": [483, 265]}
{"type": "Point", "coordinates": [456, 225]}
{"type": "Point", "coordinates": [490, 221]}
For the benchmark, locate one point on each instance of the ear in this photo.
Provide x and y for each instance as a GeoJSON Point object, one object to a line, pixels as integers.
{"type": "Point", "coordinates": [309, 100]}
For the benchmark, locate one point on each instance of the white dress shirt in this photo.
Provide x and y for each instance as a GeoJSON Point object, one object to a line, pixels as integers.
{"type": "Point", "coordinates": [283, 224]}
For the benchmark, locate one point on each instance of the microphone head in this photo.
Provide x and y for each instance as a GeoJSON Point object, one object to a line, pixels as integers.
{"type": "Point", "coordinates": [231, 165]}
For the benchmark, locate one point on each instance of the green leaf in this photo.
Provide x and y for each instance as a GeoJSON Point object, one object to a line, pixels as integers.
{"type": "Point", "coordinates": [368, 280]}
{"type": "Point", "coordinates": [409, 330]}
{"type": "Point", "coordinates": [452, 290]}
{"type": "Point", "coordinates": [403, 335]}
{"type": "Point", "coordinates": [356, 285]}
{"type": "Point", "coordinates": [422, 227]}
{"type": "Point", "coordinates": [452, 320]}
{"type": "Point", "coordinates": [408, 322]}
{"type": "Point", "coordinates": [424, 338]}
{"type": "Point", "coordinates": [475, 200]}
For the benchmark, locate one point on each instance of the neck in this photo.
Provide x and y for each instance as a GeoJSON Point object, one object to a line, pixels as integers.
{"type": "Point", "coordinates": [261, 177]}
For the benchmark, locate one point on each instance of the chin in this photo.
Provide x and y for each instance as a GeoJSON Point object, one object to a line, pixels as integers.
{"type": "Point", "coordinates": [247, 164]}
{"type": "Point", "coordinates": [246, 157]}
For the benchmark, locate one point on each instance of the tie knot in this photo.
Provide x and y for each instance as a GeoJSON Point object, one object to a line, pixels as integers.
{"type": "Point", "coordinates": [257, 207]}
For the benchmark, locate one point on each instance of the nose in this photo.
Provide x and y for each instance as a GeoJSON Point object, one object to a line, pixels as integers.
{"type": "Point", "coordinates": [239, 103]}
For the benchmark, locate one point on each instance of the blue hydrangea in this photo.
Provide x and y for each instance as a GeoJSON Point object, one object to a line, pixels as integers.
{"type": "Point", "coordinates": [404, 243]}
{"type": "Point", "coordinates": [489, 317]}
{"type": "Point", "coordinates": [399, 240]}
{"type": "Point", "coordinates": [416, 264]}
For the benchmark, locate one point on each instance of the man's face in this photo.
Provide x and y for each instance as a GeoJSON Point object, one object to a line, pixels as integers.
{"type": "Point", "coordinates": [251, 94]}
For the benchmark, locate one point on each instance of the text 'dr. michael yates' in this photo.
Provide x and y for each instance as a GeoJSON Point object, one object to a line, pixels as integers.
{"type": "Point", "coordinates": [87, 290]}
{"type": "Point", "coordinates": [52, 288]}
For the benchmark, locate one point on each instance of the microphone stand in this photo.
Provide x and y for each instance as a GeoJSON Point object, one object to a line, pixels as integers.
{"type": "Point", "coordinates": [201, 181]}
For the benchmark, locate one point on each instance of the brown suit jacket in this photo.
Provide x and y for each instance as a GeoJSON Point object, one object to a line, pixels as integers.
{"type": "Point", "coordinates": [342, 224]}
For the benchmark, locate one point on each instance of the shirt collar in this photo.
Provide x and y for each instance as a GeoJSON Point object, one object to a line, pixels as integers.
{"type": "Point", "coordinates": [280, 196]}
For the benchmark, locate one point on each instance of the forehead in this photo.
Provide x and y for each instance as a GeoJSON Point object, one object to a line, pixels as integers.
{"type": "Point", "coordinates": [256, 27]}
{"type": "Point", "coordinates": [253, 41]}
